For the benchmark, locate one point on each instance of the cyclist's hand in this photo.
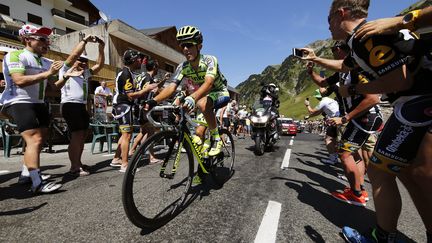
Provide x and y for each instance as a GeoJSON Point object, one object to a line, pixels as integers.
{"type": "Point", "coordinates": [73, 72]}
{"type": "Point", "coordinates": [150, 104]}
{"type": "Point", "coordinates": [379, 27]}
{"type": "Point", "coordinates": [189, 103]}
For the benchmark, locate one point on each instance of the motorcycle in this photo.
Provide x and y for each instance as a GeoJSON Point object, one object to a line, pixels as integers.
{"type": "Point", "coordinates": [265, 131]}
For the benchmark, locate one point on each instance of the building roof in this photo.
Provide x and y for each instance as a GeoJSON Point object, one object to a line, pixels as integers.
{"type": "Point", "coordinates": [155, 31]}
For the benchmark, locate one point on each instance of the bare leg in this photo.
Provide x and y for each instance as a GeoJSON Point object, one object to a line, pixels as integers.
{"type": "Point", "coordinates": [34, 139]}
{"type": "Point", "coordinates": [75, 148]}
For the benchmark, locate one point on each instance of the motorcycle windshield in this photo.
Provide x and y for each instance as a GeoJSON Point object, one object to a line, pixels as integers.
{"type": "Point", "coordinates": [261, 106]}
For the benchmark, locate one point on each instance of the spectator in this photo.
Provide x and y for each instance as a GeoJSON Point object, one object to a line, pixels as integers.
{"type": "Point", "coordinates": [331, 108]}
{"type": "Point", "coordinates": [102, 93]}
{"type": "Point", "coordinates": [74, 77]}
{"type": "Point", "coordinates": [405, 80]}
{"type": "Point", "coordinates": [26, 76]}
{"type": "Point", "coordinates": [126, 93]}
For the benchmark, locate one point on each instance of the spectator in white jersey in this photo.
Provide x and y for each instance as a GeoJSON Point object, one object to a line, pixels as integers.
{"type": "Point", "coordinates": [73, 80]}
{"type": "Point", "coordinates": [331, 108]}
{"type": "Point", "coordinates": [26, 73]}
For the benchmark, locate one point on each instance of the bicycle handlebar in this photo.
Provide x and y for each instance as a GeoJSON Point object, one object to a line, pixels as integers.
{"type": "Point", "coordinates": [178, 110]}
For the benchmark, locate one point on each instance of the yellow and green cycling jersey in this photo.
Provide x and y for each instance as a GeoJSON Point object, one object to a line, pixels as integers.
{"type": "Point", "coordinates": [208, 66]}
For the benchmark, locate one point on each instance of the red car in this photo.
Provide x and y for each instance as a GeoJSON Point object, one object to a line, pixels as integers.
{"type": "Point", "coordinates": [287, 126]}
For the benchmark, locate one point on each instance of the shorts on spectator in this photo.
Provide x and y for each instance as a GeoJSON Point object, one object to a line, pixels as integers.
{"type": "Point", "coordinates": [29, 116]}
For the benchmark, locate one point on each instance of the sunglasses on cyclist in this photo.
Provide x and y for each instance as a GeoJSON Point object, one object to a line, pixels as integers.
{"type": "Point", "coordinates": [39, 38]}
{"type": "Point", "coordinates": [188, 45]}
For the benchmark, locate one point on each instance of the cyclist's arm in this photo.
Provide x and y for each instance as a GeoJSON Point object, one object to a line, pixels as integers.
{"type": "Point", "coordinates": [313, 112]}
{"type": "Point", "coordinates": [204, 89]}
{"type": "Point", "coordinates": [318, 80]}
{"type": "Point", "coordinates": [336, 65]}
{"type": "Point", "coordinates": [22, 80]}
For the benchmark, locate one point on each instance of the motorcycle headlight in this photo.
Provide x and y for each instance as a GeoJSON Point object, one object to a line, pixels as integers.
{"type": "Point", "coordinates": [263, 119]}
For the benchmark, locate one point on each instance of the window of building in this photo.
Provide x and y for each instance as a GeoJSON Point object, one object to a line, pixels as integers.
{"type": "Point", "coordinates": [69, 30]}
{"type": "Point", "coordinates": [75, 17]}
{"type": "Point", "coordinates": [38, 2]}
{"type": "Point", "coordinates": [34, 19]}
{"type": "Point", "coordinates": [169, 67]}
{"type": "Point", "coordinates": [4, 9]}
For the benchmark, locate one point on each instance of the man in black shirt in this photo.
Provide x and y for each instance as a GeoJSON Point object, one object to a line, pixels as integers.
{"type": "Point", "coordinates": [397, 67]}
{"type": "Point", "coordinates": [126, 93]}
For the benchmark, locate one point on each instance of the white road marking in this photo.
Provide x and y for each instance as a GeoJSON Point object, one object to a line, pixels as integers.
{"type": "Point", "coordinates": [108, 155]}
{"type": "Point", "coordinates": [269, 224]}
{"type": "Point", "coordinates": [291, 141]}
{"type": "Point", "coordinates": [285, 161]}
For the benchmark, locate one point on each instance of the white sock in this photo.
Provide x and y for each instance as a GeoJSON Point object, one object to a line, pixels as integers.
{"type": "Point", "coordinates": [35, 177]}
{"type": "Point", "coordinates": [25, 171]}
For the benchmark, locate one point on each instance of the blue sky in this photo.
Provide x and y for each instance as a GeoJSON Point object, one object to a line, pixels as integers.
{"type": "Point", "coordinates": [245, 36]}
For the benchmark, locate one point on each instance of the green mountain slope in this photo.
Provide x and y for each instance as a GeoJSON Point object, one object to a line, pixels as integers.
{"type": "Point", "coordinates": [291, 78]}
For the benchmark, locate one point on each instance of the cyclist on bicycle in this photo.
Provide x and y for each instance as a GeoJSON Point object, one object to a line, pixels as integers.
{"type": "Point", "coordinates": [204, 72]}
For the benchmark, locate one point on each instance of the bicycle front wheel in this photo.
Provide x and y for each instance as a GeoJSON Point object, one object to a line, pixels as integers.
{"type": "Point", "coordinates": [157, 180]}
{"type": "Point", "coordinates": [223, 163]}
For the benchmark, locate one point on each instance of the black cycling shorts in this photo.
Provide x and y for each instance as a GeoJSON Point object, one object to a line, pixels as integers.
{"type": "Point", "coordinates": [76, 116]}
{"type": "Point", "coordinates": [29, 116]}
{"type": "Point", "coordinates": [358, 130]}
{"type": "Point", "coordinates": [398, 143]}
{"type": "Point", "coordinates": [123, 114]}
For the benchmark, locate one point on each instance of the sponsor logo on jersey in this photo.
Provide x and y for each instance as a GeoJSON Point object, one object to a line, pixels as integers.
{"type": "Point", "coordinates": [380, 54]}
{"type": "Point", "coordinates": [401, 136]}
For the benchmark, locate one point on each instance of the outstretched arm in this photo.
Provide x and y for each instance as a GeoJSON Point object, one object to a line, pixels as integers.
{"type": "Point", "coordinates": [101, 57]}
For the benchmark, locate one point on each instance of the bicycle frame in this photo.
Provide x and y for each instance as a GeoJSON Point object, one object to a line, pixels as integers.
{"type": "Point", "coordinates": [184, 137]}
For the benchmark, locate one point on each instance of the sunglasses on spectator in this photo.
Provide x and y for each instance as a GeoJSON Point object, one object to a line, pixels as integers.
{"type": "Point", "coordinates": [188, 45]}
{"type": "Point", "coordinates": [39, 38]}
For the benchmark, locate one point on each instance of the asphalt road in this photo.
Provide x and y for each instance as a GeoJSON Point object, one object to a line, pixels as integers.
{"type": "Point", "coordinates": [261, 201]}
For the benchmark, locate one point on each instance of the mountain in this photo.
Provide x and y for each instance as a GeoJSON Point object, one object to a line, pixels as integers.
{"type": "Point", "coordinates": [290, 77]}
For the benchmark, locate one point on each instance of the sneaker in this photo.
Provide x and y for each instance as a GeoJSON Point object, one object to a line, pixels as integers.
{"type": "Point", "coordinates": [196, 181]}
{"type": "Point", "coordinates": [328, 161]}
{"type": "Point", "coordinates": [364, 193]}
{"type": "Point", "coordinates": [353, 236]}
{"type": "Point", "coordinates": [46, 187]}
{"type": "Point", "coordinates": [216, 148]}
{"type": "Point", "coordinates": [26, 179]}
{"type": "Point", "coordinates": [348, 197]}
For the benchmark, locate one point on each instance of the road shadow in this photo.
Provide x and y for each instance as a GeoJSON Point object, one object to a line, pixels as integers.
{"type": "Point", "coordinates": [14, 175]}
{"type": "Point", "coordinates": [22, 210]}
{"type": "Point", "coordinates": [333, 170]}
{"type": "Point", "coordinates": [313, 234]}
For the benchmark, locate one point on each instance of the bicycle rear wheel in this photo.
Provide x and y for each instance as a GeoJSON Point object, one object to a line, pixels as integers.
{"type": "Point", "coordinates": [153, 193]}
{"type": "Point", "coordinates": [223, 163]}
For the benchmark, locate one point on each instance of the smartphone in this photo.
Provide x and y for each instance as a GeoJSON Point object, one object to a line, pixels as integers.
{"type": "Point", "coordinates": [297, 52]}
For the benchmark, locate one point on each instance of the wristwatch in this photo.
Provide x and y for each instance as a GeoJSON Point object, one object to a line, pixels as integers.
{"type": "Point", "coordinates": [344, 120]}
{"type": "Point", "coordinates": [409, 20]}
{"type": "Point", "coordinates": [352, 90]}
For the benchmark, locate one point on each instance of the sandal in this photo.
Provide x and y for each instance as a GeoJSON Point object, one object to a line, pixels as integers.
{"type": "Point", "coordinates": [80, 172]}
{"type": "Point", "coordinates": [116, 163]}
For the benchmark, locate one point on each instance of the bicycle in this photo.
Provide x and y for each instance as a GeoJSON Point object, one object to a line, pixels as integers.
{"type": "Point", "coordinates": [153, 194]}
